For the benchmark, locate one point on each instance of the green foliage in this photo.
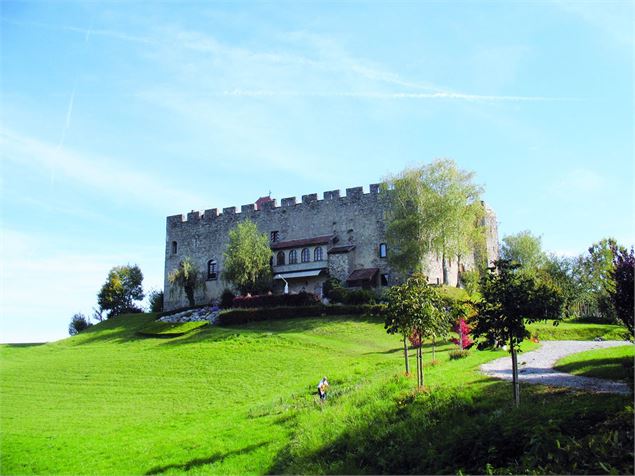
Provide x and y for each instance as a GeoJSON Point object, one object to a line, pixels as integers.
{"type": "Point", "coordinates": [170, 329]}
{"type": "Point", "coordinates": [247, 259]}
{"type": "Point", "coordinates": [155, 299]}
{"type": "Point", "coordinates": [455, 354]}
{"type": "Point", "coordinates": [622, 292]}
{"type": "Point", "coordinates": [79, 322]}
{"type": "Point", "coordinates": [227, 299]}
{"type": "Point", "coordinates": [432, 209]}
{"type": "Point", "coordinates": [510, 300]}
{"type": "Point", "coordinates": [186, 278]}
{"type": "Point", "coordinates": [121, 289]}
{"type": "Point", "coordinates": [524, 249]}
{"type": "Point", "coordinates": [470, 280]}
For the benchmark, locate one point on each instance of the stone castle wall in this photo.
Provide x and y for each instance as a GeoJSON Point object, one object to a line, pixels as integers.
{"type": "Point", "coordinates": [356, 218]}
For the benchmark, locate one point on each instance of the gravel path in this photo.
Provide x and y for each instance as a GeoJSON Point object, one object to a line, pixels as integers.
{"type": "Point", "coordinates": [537, 366]}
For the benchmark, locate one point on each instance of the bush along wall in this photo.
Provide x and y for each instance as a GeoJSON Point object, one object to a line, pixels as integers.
{"type": "Point", "coordinates": [276, 300]}
{"type": "Point", "coordinates": [233, 317]}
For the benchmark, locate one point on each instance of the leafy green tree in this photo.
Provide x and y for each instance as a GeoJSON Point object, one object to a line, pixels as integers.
{"type": "Point", "coordinates": [155, 299]}
{"type": "Point", "coordinates": [120, 291]}
{"type": "Point", "coordinates": [510, 300]}
{"type": "Point", "coordinates": [79, 322]}
{"type": "Point", "coordinates": [415, 308]}
{"type": "Point", "coordinates": [622, 293]}
{"type": "Point", "coordinates": [186, 278]}
{"type": "Point", "coordinates": [525, 249]}
{"type": "Point", "coordinates": [247, 258]}
{"type": "Point", "coordinates": [432, 209]}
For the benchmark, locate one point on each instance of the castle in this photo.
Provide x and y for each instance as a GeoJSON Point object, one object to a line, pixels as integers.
{"type": "Point", "coordinates": [339, 236]}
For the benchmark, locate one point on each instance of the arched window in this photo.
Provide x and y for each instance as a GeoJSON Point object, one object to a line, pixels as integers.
{"type": "Point", "coordinates": [383, 250]}
{"type": "Point", "coordinates": [317, 254]}
{"type": "Point", "coordinates": [293, 257]}
{"type": "Point", "coordinates": [212, 272]}
{"type": "Point", "coordinates": [306, 255]}
{"type": "Point", "coordinates": [174, 247]}
{"type": "Point", "coordinates": [280, 258]}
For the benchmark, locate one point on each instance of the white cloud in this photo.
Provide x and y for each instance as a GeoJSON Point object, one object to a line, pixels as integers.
{"type": "Point", "coordinates": [580, 181]}
{"type": "Point", "coordinates": [114, 180]}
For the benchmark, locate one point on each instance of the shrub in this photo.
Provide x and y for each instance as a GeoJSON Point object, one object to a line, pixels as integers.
{"type": "Point", "coordinates": [337, 295]}
{"type": "Point", "coordinates": [274, 300]}
{"type": "Point", "coordinates": [155, 299]}
{"type": "Point", "coordinates": [227, 299]}
{"type": "Point", "coordinates": [458, 354]}
{"type": "Point", "coordinates": [360, 296]}
{"type": "Point", "coordinates": [79, 322]}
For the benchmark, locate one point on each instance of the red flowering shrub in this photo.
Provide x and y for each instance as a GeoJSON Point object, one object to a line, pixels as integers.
{"type": "Point", "coordinates": [463, 330]}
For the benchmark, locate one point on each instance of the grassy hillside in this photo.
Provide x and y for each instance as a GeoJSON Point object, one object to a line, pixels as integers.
{"type": "Point", "coordinates": [241, 400]}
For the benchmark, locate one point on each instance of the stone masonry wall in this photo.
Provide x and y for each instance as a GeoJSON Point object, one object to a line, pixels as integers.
{"type": "Point", "coordinates": [356, 218]}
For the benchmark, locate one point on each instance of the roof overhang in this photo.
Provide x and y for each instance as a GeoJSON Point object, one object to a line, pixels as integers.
{"type": "Point", "coordinates": [364, 274]}
{"type": "Point", "coordinates": [316, 240]}
{"type": "Point", "coordinates": [299, 274]}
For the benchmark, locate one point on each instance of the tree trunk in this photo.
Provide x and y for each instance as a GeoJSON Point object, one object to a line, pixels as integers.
{"type": "Point", "coordinates": [418, 367]}
{"type": "Point", "coordinates": [458, 271]}
{"type": "Point", "coordinates": [405, 354]}
{"type": "Point", "coordinates": [444, 264]}
{"type": "Point", "coordinates": [460, 335]}
{"type": "Point", "coordinates": [515, 381]}
{"type": "Point", "coordinates": [434, 348]}
{"type": "Point", "coordinates": [421, 365]}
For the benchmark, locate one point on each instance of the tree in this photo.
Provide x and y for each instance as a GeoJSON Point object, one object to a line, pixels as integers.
{"type": "Point", "coordinates": [79, 322]}
{"type": "Point", "coordinates": [121, 289]}
{"type": "Point", "coordinates": [525, 249]}
{"type": "Point", "coordinates": [511, 299]}
{"type": "Point", "coordinates": [622, 293]}
{"type": "Point", "coordinates": [155, 299]}
{"type": "Point", "coordinates": [186, 278]}
{"type": "Point", "coordinates": [247, 259]}
{"type": "Point", "coordinates": [415, 310]}
{"type": "Point", "coordinates": [432, 209]}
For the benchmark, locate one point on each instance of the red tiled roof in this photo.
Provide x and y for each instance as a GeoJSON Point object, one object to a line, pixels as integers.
{"type": "Point", "coordinates": [261, 201]}
{"type": "Point", "coordinates": [317, 240]}
{"type": "Point", "coordinates": [364, 274]}
{"type": "Point", "coordinates": [341, 249]}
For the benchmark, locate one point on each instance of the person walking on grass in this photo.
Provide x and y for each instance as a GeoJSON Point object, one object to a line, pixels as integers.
{"type": "Point", "coordinates": [322, 388]}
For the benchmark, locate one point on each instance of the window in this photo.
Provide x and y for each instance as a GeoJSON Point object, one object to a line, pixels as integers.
{"type": "Point", "coordinates": [293, 257]}
{"type": "Point", "coordinates": [317, 254]}
{"type": "Point", "coordinates": [383, 250]}
{"type": "Point", "coordinates": [384, 280]}
{"type": "Point", "coordinates": [212, 273]}
{"type": "Point", "coordinates": [280, 258]}
{"type": "Point", "coordinates": [274, 236]}
{"type": "Point", "coordinates": [174, 247]}
{"type": "Point", "coordinates": [306, 255]}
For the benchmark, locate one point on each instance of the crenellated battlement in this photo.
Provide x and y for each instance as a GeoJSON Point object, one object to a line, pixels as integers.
{"type": "Point", "coordinates": [354, 194]}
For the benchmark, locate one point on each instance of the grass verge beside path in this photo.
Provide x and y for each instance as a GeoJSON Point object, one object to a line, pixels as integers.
{"type": "Point", "coordinates": [577, 331]}
{"type": "Point", "coordinates": [614, 363]}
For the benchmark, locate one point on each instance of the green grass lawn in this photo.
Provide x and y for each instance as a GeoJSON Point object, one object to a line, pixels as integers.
{"type": "Point", "coordinates": [241, 400]}
{"type": "Point", "coordinates": [615, 363]}
{"type": "Point", "coordinates": [577, 331]}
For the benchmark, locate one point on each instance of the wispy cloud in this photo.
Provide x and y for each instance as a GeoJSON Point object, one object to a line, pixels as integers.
{"type": "Point", "coordinates": [395, 95]}
{"type": "Point", "coordinates": [86, 32]}
{"type": "Point", "coordinates": [114, 180]}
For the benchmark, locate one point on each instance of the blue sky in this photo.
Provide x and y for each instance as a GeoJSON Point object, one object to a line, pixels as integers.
{"type": "Point", "coordinates": [116, 114]}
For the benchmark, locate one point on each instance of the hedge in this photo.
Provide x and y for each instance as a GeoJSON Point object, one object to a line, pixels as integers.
{"type": "Point", "coordinates": [276, 300]}
{"type": "Point", "coordinates": [242, 316]}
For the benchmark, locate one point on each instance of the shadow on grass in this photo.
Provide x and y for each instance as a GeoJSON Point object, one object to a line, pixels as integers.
{"type": "Point", "coordinates": [275, 326]}
{"type": "Point", "coordinates": [24, 345]}
{"type": "Point", "coordinates": [471, 429]}
{"type": "Point", "coordinates": [198, 462]}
